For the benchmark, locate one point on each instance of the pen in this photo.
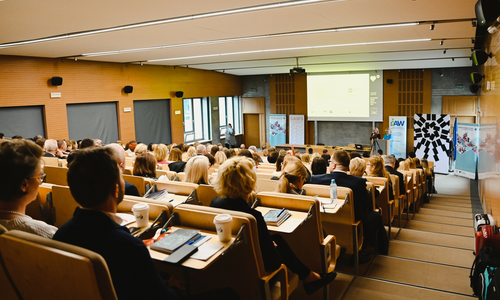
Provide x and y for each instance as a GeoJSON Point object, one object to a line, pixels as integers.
{"type": "Point", "coordinates": [281, 211]}
{"type": "Point", "coordinates": [171, 200]}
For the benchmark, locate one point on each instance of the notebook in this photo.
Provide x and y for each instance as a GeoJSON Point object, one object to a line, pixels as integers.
{"type": "Point", "coordinates": [276, 217]}
{"type": "Point", "coordinates": [175, 240]}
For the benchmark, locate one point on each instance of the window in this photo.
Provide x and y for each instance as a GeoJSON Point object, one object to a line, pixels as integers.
{"type": "Point", "coordinates": [196, 119]}
{"type": "Point", "coordinates": [229, 113]}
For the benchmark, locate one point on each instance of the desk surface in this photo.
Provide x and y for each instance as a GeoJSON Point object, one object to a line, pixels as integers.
{"type": "Point", "coordinates": [296, 218]}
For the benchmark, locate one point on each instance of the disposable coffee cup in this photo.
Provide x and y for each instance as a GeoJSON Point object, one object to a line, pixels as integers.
{"type": "Point", "coordinates": [141, 214]}
{"type": "Point", "coordinates": [223, 224]}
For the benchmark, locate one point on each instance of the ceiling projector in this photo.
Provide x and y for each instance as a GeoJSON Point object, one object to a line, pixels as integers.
{"type": "Point", "coordinates": [297, 70]}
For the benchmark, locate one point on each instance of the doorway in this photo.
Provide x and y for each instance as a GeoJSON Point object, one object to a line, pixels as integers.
{"type": "Point", "coordinates": [252, 130]}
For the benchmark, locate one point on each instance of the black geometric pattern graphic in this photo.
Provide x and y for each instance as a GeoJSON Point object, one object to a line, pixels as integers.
{"type": "Point", "coordinates": [431, 135]}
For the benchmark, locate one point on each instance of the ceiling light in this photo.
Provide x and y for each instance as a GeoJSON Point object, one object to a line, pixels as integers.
{"type": "Point", "coordinates": [444, 52]}
{"type": "Point", "coordinates": [474, 23]}
{"type": "Point", "coordinates": [432, 26]}
{"type": "Point", "coordinates": [288, 49]}
{"type": "Point", "coordinates": [441, 43]}
{"type": "Point", "coordinates": [164, 21]}
{"type": "Point", "coordinates": [115, 52]}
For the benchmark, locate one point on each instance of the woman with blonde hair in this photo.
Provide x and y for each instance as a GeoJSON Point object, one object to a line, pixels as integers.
{"type": "Point", "coordinates": [375, 168]}
{"type": "Point", "coordinates": [236, 180]}
{"type": "Point", "coordinates": [160, 152]}
{"type": "Point", "coordinates": [220, 157]}
{"type": "Point", "coordinates": [357, 167]}
{"type": "Point", "coordinates": [191, 152]}
{"type": "Point", "coordinates": [145, 165]}
{"type": "Point", "coordinates": [404, 166]}
{"type": "Point", "coordinates": [197, 170]}
{"type": "Point", "coordinates": [140, 148]}
{"type": "Point", "coordinates": [292, 178]}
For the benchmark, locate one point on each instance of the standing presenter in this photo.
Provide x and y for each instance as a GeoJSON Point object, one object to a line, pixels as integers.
{"type": "Point", "coordinates": [230, 139]}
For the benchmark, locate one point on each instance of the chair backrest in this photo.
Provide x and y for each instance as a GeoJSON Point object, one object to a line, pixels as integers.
{"type": "Point", "coordinates": [56, 175]}
{"type": "Point", "coordinates": [43, 268]}
{"type": "Point", "coordinates": [176, 187]}
{"type": "Point", "coordinates": [265, 175]}
{"type": "Point", "coordinates": [395, 186]}
{"type": "Point", "coordinates": [51, 161]}
{"type": "Point", "coordinates": [309, 233]}
{"type": "Point", "coordinates": [155, 207]}
{"type": "Point", "coordinates": [138, 181]}
{"type": "Point", "coordinates": [128, 171]}
{"type": "Point", "coordinates": [34, 209]}
{"type": "Point", "coordinates": [181, 176]}
{"type": "Point", "coordinates": [266, 185]}
{"type": "Point", "coordinates": [129, 162]}
{"type": "Point", "coordinates": [64, 204]}
{"type": "Point", "coordinates": [164, 167]}
{"type": "Point", "coordinates": [7, 288]}
{"type": "Point", "coordinates": [206, 194]}
{"type": "Point", "coordinates": [371, 191]}
{"type": "Point", "coordinates": [160, 172]}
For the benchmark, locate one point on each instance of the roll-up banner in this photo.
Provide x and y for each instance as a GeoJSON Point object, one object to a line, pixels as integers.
{"type": "Point", "coordinates": [277, 129]}
{"type": "Point", "coordinates": [467, 150]}
{"type": "Point", "coordinates": [431, 139]}
{"type": "Point", "coordinates": [296, 129]}
{"type": "Point", "coordinates": [398, 128]}
{"type": "Point", "coordinates": [487, 166]}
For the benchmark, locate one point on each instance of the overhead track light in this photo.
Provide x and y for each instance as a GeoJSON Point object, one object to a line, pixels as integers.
{"type": "Point", "coordinates": [432, 26]}
{"type": "Point", "coordinates": [441, 43]}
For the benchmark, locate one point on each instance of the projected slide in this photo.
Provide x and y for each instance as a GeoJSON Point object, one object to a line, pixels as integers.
{"type": "Point", "coordinates": [345, 97]}
{"type": "Point", "coordinates": [350, 95]}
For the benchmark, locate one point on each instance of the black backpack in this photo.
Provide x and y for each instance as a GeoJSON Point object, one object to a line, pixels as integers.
{"type": "Point", "coordinates": [485, 274]}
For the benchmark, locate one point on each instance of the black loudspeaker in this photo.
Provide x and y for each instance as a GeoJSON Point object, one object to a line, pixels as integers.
{"type": "Point", "coordinates": [476, 77]}
{"type": "Point", "coordinates": [179, 94]}
{"type": "Point", "coordinates": [128, 89]}
{"type": "Point", "coordinates": [56, 81]}
{"type": "Point", "coordinates": [474, 88]}
{"type": "Point", "coordinates": [389, 81]}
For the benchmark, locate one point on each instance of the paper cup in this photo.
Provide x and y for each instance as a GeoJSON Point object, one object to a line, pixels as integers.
{"type": "Point", "coordinates": [141, 214]}
{"type": "Point", "coordinates": [223, 224]}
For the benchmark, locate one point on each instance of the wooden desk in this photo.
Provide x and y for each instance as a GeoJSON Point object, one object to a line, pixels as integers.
{"type": "Point", "coordinates": [296, 218]}
{"type": "Point", "coordinates": [333, 208]}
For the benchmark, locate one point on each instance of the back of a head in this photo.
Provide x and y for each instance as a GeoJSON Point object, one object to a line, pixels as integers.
{"type": "Point", "coordinates": [252, 149]}
{"type": "Point", "coordinates": [357, 167]}
{"type": "Point", "coordinates": [50, 145]}
{"type": "Point", "coordinates": [175, 154]}
{"type": "Point", "coordinates": [318, 166]}
{"type": "Point", "coordinates": [411, 154]}
{"type": "Point", "coordinates": [273, 156]}
{"type": "Point", "coordinates": [197, 170]}
{"type": "Point", "coordinates": [60, 143]}
{"type": "Point", "coordinates": [354, 155]}
{"type": "Point", "coordinates": [235, 178]}
{"type": "Point", "coordinates": [118, 153]}
{"type": "Point", "coordinates": [341, 158]}
{"type": "Point", "coordinates": [290, 158]}
{"type": "Point", "coordinates": [160, 152]}
{"type": "Point", "coordinates": [389, 160]}
{"type": "Point", "coordinates": [279, 162]}
{"type": "Point", "coordinates": [377, 164]}
{"type": "Point", "coordinates": [200, 149]}
{"type": "Point", "coordinates": [292, 171]}
{"type": "Point", "coordinates": [19, 159]}
{"type": "Point", "coordinates": [92, 176]}
{"type": "Point", "coordinates": [245, 152]}
{"type": "Point", "coordinates": [306, 158]}
{"type": "Point", "coordinates": [211, 159]}
{"type": "Point", "coordinates": [191, 151]}
{"type": "Point", "coordinates": [87, 143]}
{"type": "Point", "coordinates": [310, 151]}
{"type": "Point", "coordinates": [145, 165]}
{"type": "Point", "coordinates": [220, 157]}
{"type": "Point", "coordinates": [326, 157]}
{"type": "Point", "coordinates": [140, 148]}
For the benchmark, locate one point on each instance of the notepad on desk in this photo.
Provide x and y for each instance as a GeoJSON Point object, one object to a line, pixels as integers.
{"type": "Point", "coordinates": [175, 240]}
{"type": "Point", "coordinates": [276, 217]}
{"type": "Point", "coordinates": [126, 218]}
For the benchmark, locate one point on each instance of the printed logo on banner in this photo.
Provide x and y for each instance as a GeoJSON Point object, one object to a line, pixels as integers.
{"type": "Point", "coordinates": [431, 134]}
{"type": "Point", "coordinates": [397, 123]}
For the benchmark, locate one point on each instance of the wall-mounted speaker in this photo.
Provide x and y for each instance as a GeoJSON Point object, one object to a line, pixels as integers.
{"type": "Point", "coordinates": [56, 81]}
{"type": "Point", "coordinates": [179, 94]}
{"type": "Point", "coordinates": [474, 88]}
{"type": "Point", "coordinates": [389, 81]}
{"type": "Point", "coordinates": [128, 89]}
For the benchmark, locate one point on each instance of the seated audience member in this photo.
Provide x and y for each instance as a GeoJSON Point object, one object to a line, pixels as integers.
{"type": "Point", "coordinates": [252, 149]}
{"type": "Point", "coordinates": [245, 152]}
{"type": "Point", "coordinates": [417, 163]}
{"type": "Point", "coordinates": [145, 165]}
{"type": "Point", "coordinates": [318, 166]}
{"type": "Point", "coordinates": [214, 150]}
{"type": "Point", "coordinates": [127, 147]}
{"type": "Point", "coordinates": [273, 156]}
{"type": "Point", "coordinates": [430, 174]}
{"type": "Point", "coordinates": [228, 153]}
{"type": "Point", "coordinates": [197, 170]}
{"type": "Point", "coordinates": [51, 150]}
{"type": "Point", "coordinates": [306, 158]}
{"type": "Point", "coordinates": [325, 155]}
{"type": "Point", "coordinates": [96, 184]}
{"type": "Point", "coordinates": [201, 150]}
{"type": "Point", "coordinates": [279, 164]}
{"type": "Point", "coordinates": [411, 163]}
{"type": "Point", "coordinates": [40, 142]}
{"type": "Point", "coordinates": [314, 155]}
{"type": "Point", "coordinates": [16, 137]}
{"type": "Point", "coordinates": [97, 143]}
{"type": "Point", "coordinates": [236, 180]}
{"type": "Point", "coordinates": [119, 156]}
{"type": "Point", "coordinates": [404, 166]}
{"type": "Point", "coordinates": [2, 136]}
{"type": "Point", "coordinates": [220, 157]}
{"type": "Point", "coordinates": [191, 152]}
{"type": "Point", "coordinates": [151, 147]}
{"type": "Point", "coordinates": [176, 165]}
{"type": "Point", "coordinates": [20, 176]}
{"type": "Point", "coordinates": [357, 167]}
{"type": "Point", "coordinates": [363, 205]}
{"type": "Point", "coordinates": [411, 155]}
{"type": "Point", "coordinates": [256, 158]}
{"type": "Point", "coordinates": [292, 178]}
{"type": "Point", "coordinates": [242, 146]}
{"type": "Point", "coordinates": [63, 146]}
{"type": "Point", "coordinates": [375, 168]}
{"type": "Point", "coordinates": [160, 153]}
{"type": "Point", "coordinates": [310, 151]}
{"type": "Point", "coordinates": [390, 167]}
{"type": "Point", "coordinates": [211, 159]}
{"type": "Point", "coordinates": [71, 156]}
{"type": "Point", "coordinates": [354, 154]}
{"type": "Point", "coordinates": [140, 148]}
{"type": "Point", "coordinates": [380, 152]}
{"type": "Point", "coordinates": [86, 143]}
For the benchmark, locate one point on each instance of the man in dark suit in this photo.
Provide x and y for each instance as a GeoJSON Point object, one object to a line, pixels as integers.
{"type": "Point", "coordinates": [390, 166]}
{"type": "Point", "coordinates": [51, 149]}
{"type": "Point", "coordinates": [372, 221]}
{"type": "Point", "coordinates": [97, 185]}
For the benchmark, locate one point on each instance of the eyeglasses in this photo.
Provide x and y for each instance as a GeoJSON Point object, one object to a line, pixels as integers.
{"type": "Point", "coordinates": [40, 177]}
{"type": "Point", "coordinates": [368, 165]}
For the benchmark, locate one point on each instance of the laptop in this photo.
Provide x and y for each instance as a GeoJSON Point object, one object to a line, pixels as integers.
{"type": "Point", "coordinates": [358, 146]}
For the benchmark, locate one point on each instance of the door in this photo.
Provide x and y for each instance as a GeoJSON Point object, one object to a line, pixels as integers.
{"type": "Point", "coordinates": [252, 130]}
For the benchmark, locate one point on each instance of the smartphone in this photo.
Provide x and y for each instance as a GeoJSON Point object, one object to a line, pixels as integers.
{"type": "Point", "coordinates": [181, 254]}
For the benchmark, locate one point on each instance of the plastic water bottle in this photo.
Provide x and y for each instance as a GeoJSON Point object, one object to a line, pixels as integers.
{"type": "Point", "coordinates": [333, 191]}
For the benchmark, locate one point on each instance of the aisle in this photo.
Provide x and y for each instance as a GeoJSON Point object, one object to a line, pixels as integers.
{"type": "Point", "coordinates": [431, 256]}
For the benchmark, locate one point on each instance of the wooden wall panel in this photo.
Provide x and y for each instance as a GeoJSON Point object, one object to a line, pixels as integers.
{"type": "Point", "coordinates": [25, 81]}
{"type": "Point", "coordinates": [409, 93]}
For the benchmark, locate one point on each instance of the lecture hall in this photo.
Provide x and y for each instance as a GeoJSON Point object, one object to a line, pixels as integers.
{"type": "Point", "coordinates": [254, 130]}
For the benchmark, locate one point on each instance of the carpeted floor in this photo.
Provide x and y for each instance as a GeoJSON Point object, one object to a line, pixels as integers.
{"type": "Point", "coordinates": [428, 259]}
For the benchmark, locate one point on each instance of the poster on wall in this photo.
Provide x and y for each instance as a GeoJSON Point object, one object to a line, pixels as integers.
{"type": "Point", "coordinates": [467, 150]}
{"type": "Point", "coordinates": [296, 129]}
{"type": "Point", "coordinates": [277, 129]}
{"type": "Point", "coordinates": [397, 126]}
{"type": "Point", "coordinates": [487, 165]}
{"type": "Point", "coordinates": [431, 139]}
